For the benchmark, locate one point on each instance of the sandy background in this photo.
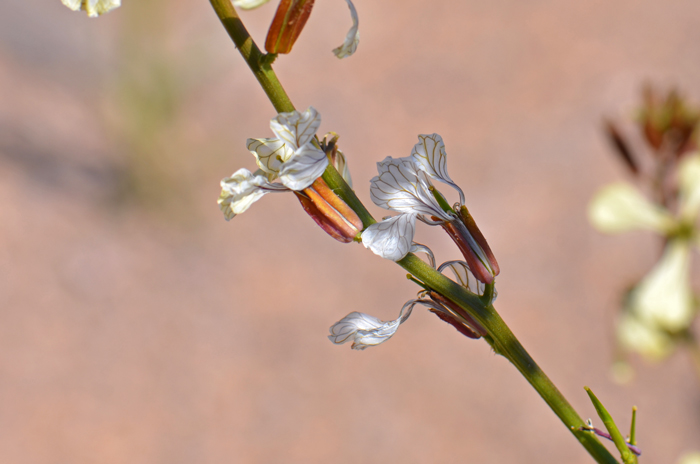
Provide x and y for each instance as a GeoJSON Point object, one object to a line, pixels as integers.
{"type": "Point", "coordinates": [137, 326]}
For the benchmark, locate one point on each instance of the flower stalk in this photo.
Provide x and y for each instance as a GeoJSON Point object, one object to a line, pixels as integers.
{"type": "Point", "coordinates": [497, 333]}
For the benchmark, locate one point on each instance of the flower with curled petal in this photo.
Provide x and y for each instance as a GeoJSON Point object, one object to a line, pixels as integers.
{"type": "Point", "coordinates": [405, 185]}
{"type": "Point", "coordinates": [365, 330]}
{"type": "Point", "coordinates": [292, 158]}
{"type": "Point", "coordinates": [93, 8]}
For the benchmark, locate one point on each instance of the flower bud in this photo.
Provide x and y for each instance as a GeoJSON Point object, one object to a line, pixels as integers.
{"type": "Point", "coordinates": [471, 242]}
{"type": "Point", "coordinates": [289, 20]}
{"type": "Point", "coordinates": [330, 212]}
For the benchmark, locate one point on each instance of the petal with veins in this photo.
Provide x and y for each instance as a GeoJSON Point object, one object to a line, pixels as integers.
{"type": "Point", "coordinates": [464, 276]}
{"type": "Point", "coordinates": [352, 39]}
{"type": "Point", "coordinates": [664, 297]}
{"type": "Point", "coordinates": [296, 129]}
{"type": "Point", "coordinates": [620, 208]}
{"type": "Point", "coordinates": [429, 155]}
{"type": "Point", "coordinates": [243, 189]}
{"type": "Point", "coordinates": [307, 165]}
{"type": "Point", "coordinates": [365, 330]}
{"type": "Point", "coordinates": [401, 187]}
{"type": "Point", "coordinates": [391, 238]}
{"type": "Point", "coordinates": [689, 177]}
{"type": "Point", "coordinates": [248, 4]}
{"type": "Point", "coordinates": [269, 154]}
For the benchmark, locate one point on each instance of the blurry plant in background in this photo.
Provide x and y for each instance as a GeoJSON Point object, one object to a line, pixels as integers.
{"type": "Point", "coordinates": [145, 111]}
{"type": "Point", "coordinates": [658, 311]}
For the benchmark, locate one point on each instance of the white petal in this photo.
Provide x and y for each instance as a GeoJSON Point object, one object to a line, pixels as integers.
{"type": "Point", "coordinates": [463, 275]}
{"type": "Point", "coordinates": [689, 177]}
{"type": "Point", "coordinates": [269, 154]}
{"type": "Point", "coordinates": [420, 248]}
{"type": "Point", "coordinates": [391, 238]}
{"type": "Point", "coordinates": [72, 4]}
{"type": "Point", "coordinates": [664, 296]}
{"type": "Point", "coordinates": [365, 330]}
{"type": "Point", "coordinates": [93, 8]}
{"type": "Point", "coordinates": [307, 165]}
{"type": "Point", "coordinates": [248, 4]}
{"type": "Point", "coordinates": [241, 190]}
{"type": "Point", "coordinates": [341, 165]}
{"type": "Point", "coordinates": [352, 39]}
{"type": "Point", "coordinates": [620, 208]}
{"type": "Point", "coordinates": [645, 339]}
{"type": "Point", "coordinates": [429, 155]}
{"type": "Point", "coordinates": [296, 129]}
{"type": "Point", "coordinates": [401, 187]}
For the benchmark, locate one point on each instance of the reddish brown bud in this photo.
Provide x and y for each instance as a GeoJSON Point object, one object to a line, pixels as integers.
{"type": "Point", "coordinates": [289, 20]}
{"type": "Point", "coordinates": [330, 212]}
{"type": "Point", "coordinates": [468, 327]}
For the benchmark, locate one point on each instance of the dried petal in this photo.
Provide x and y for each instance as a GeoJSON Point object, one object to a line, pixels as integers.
{"type": "Point", "coordinates": [352, 39]}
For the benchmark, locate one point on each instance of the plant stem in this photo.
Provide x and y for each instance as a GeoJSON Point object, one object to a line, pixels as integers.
{"type": "Point", "coordinates": [499, 335]}
{"type": "Point", "coordinates": [504, 343]}
{"type": "Point", "coordinates": [252, 55]}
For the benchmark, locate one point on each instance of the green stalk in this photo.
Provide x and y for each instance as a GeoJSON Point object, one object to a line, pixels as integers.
{"type": "Point", "coordinates": [500, 337]}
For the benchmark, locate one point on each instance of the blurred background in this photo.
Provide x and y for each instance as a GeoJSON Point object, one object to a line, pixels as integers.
{"type": "Point", "coordinates": [137, 325]}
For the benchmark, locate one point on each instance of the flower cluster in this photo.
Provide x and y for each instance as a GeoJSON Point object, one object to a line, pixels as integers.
{"type": "Point", "coordinates": [296, 159]}
{"type": "Point", "coordinates": [405, 185]}
{"type": "Point", "coordinates": [364, 330]}
{"type": "Point", "coordinates": [660, 308]}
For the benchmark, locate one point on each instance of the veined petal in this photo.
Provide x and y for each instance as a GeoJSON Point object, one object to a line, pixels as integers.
{"type": "Point", "coordinates": [341, 165]}
{"type": "Point", "coordinates": [296, 129]}
{"type": "Point", "coordinates": [269, 154]}
{"type": "Point", "coordinates": [93, 8]}
{"type": "Point", "coordinates": [307, 165]}
{"type": "Point", "coordinates": [365, 330]}
{"type": "Point", "coordinates": [391, 238]}
{"type": "Point", "coordinates": [401, 187]}
{"type": "Point", "coordinates": [620, 207]}
{"type": "Point", "coordinates": [241, 190]}
{"type": "Point", "coordinates": [429, 155]}
{"type": "Point", "coordinates": [664, 297]}
{"type": "Point", "coordinates": [248, 4]}
{"type": "Point", "coordinates": [689, 173]}
{"type": "Point", "coordinates": [643, 338]}
{"type": "Point", "coordinates": [463, 275]}
{"type": "Point", "coordinates": [352, 39]}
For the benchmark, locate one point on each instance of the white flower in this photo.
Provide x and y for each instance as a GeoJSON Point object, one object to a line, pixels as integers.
{"type": "Point", "coordinates": [352, 39]}
{"type": "Point", "coordinates": [404, 185]}
{"type": "Point", "coordinates": [365, 330]}
{"type": "Point", "coordinates": [93, 8]}
{"type": "Point", "coordinates": [646, 339]}
{"type": "Point", "coordinates": [290, 157]}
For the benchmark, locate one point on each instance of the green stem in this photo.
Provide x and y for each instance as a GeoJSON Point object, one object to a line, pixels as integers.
{"type": "Point", "coordinates": [500, 337]}
{"type": "Point", "coordinates": [252, 55]}
{"type": "Point", "coordinates": [504, 343]}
